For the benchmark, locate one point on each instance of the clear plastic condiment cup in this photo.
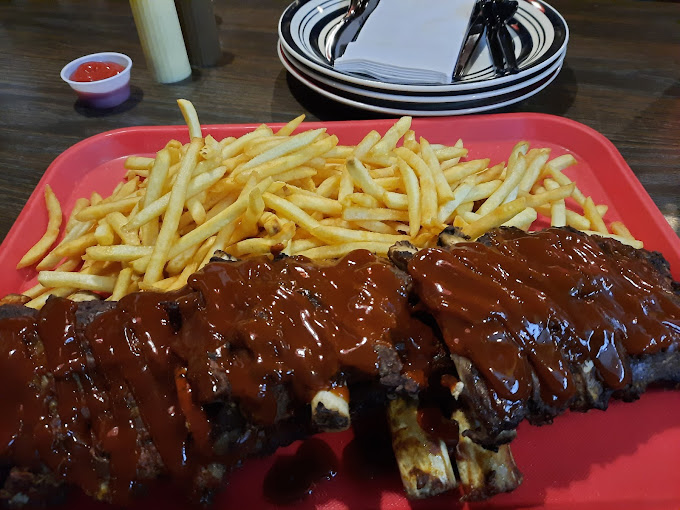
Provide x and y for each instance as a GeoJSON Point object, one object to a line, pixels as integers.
{"type": "Point", "coordinates": [105, 93]}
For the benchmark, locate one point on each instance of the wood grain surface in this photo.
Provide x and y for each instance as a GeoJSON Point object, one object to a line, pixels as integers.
{"type": "Point", "coordinates": [621, 76]}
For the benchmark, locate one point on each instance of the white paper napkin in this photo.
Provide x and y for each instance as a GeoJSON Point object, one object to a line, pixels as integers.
{"type": "Point", "coordinates": [409, 41]}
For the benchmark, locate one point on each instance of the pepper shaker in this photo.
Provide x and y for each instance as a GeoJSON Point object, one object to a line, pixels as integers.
{"type": "Point", "coordinates": [197, 18]}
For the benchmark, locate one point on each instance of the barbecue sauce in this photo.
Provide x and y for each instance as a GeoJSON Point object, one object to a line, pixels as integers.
{"type": "Point", "coordinates": [540, 303]}
{"type": "Point", "coordinates": [111, 402]}
{"type": "Point", "coordinates": [288, 322]}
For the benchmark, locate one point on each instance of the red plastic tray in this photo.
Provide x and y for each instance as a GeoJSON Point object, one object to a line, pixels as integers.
{"type": "Point", "coordinates": [624, 458]}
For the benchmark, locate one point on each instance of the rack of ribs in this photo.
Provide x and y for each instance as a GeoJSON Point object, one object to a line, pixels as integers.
{"type": "Point", "coordinates": [458, 343]}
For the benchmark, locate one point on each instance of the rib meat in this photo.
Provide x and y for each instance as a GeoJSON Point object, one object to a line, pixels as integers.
{"type": "Point", "coordinates": [187, 385]}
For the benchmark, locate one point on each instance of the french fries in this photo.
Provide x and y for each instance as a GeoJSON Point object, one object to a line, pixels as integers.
{"type": "Point", "coordinates": [298, 192]}
{"type": "Point", "coordinates": [39, 250]}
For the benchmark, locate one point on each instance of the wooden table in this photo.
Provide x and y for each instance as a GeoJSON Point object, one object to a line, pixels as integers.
{"type": "Point", "coordinates": [621, 76]}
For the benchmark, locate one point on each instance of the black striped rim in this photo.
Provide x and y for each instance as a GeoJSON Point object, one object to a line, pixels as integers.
{"type": "Point", "coordinates": [560, 34]}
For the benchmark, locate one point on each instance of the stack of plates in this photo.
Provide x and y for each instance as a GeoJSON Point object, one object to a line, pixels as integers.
{"type": "Point", "coordinates": [539, 35]}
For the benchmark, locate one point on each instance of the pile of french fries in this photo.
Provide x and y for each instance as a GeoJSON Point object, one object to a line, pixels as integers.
{"type": "Point", "coordinates": [299, 194]}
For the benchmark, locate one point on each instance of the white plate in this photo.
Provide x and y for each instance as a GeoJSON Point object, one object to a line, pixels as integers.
{"type": "Point", "coordinates": [416, 109]}
{"type": "Point", "coordinates": [474, 95]}
{"type": "Point", "coordinates": [540, 36]}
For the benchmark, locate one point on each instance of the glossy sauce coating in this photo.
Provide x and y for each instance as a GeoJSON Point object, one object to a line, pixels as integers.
{"type": "Point", "coordinates": [108, 404]}
{"type": "Point", "coordinates": [289, 321]}
{"type": "Point", "coordinates": [111, 402]}
{"type": "Point", "coordinates": [536, 303]}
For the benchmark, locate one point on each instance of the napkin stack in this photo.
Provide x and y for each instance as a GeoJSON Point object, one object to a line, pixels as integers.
{"type": "Point", "coordinates": [410, 41]}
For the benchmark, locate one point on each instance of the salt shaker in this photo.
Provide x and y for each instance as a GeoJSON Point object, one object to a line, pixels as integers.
{"type": "Point", "coordinates": [161, 37]}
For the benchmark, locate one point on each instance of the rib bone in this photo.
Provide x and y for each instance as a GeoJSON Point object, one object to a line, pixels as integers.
{"type": "Point", "coordinates": [424, 463]}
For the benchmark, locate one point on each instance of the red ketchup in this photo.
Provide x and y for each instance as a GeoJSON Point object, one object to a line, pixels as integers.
{"type": "Point", "coordinates": [96, 71]}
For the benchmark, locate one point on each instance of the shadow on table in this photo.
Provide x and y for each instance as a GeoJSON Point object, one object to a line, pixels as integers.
{"type": "Point", "coordinates": [136, 95]}
{"type": "Point", "coordinates": [555, 99]}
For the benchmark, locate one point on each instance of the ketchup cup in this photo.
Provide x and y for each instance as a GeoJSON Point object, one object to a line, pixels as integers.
{"type": "Point", "coordinates": [105, 93]}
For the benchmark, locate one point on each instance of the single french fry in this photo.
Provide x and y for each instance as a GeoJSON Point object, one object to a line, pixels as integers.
{"type": "Point", "coordinates": [413, 196]}
{"type": "Point", "coordinates": [427, 190]}
{"type": "Point", "coordinates": [97, 212]}
{"type": "Point", "coordinates": [363, 200]}
{"type": "Point", "coordinates": [460, 194]}
{"type": "Point", "coordinates": [120, 253]}
{"type": "Point", "coordinates": [232, 149]}
{"type": "Point", "coordinates": [390, 183]}
{"type": "Point", "coordinates": [104, 234]}
{"type": "Point", "coordinates": [591, 212]}
{"type": "Point", "coordinates": [291, 126]}
{"type": "Point", "coordinates": [340, 250]}
{"type": "Point", "coordinates": [558, 209]}
{"type": "Point", "coordinates": [290, 211]}
{"type": "Point", "coordinates": [122, 283]}
{"type": "Point", "coordinates": [196, 209]}
{"type": "Point", "coordinates": [410, 142]}
{"type": "Point", "coordinates": [533, 171]}
{"type": "Point", "coordinates": [40, 248]}
{"type": "Point", "coordinates": [77, 280]}
{"type": "Point", "coordinates": [444, 192]}
{"type": "Point", "coordinates": [191, 118]}
{"type": "Point", "coordinates": [483, 191]}
{"type": "Point", "coordinates": [515, 174]}
{"type": "Point", "coordinates": [620, 229]}
{"type": "Point", "coordinates": [559, 193]}
{"type": "Point", "coordinates": [456, 152]}
{"type": "Point", "coordinates": [495, 218]}
{"type": "Point", "coordinates": [118, 221]}
{"type": "Point", "coordinates": [78, 206]}
{"type": "Point", "coordinates": [299, 173]}
{"type": "Point", "coordinates": [53, 257]}
{"type": "Point", "coordinates": [523, 219]}
{"type": "Point", "coordinates": [329, 187]}
{"type": "Point", "coordinates": [379, 173]}
{"type": "Point", "coordinates": [558, 164]}
{"type": "Point", "coordinates": [154, 190]}
{"type": "Point", "coordinates": [392, 136]}
{"type": "Point", "coordinates": [362, 178]}
{"type": "Point", "coordinates": [577, 221]}
{"type": "Point", "coordinates": [460, 171]}
{"type": "Point", "coordinates": [138, 163]}
{"type": "Point", "coordinates": [374, 226]}
{"type": "Point", "coordinates": [38, 302]}
{"type": "Point", "coordinates": [335, 235]}
{"type": "Point", "coordinates": [563, 180]}
{"type": "Point", "coordinates": [520, 148]}
{"type": "Point", "coordinates": [311, 203]}
{"type": "Point", "coordinates": [177, 264]}
{"type": "Point", "coordinates": [365, 145]}
{"type": "Point", "coordinates": [76, 247]}
{"type": "Point", "coordinates": [295, 247]}
{"type": "Point", "coordinates": [374, 214]}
